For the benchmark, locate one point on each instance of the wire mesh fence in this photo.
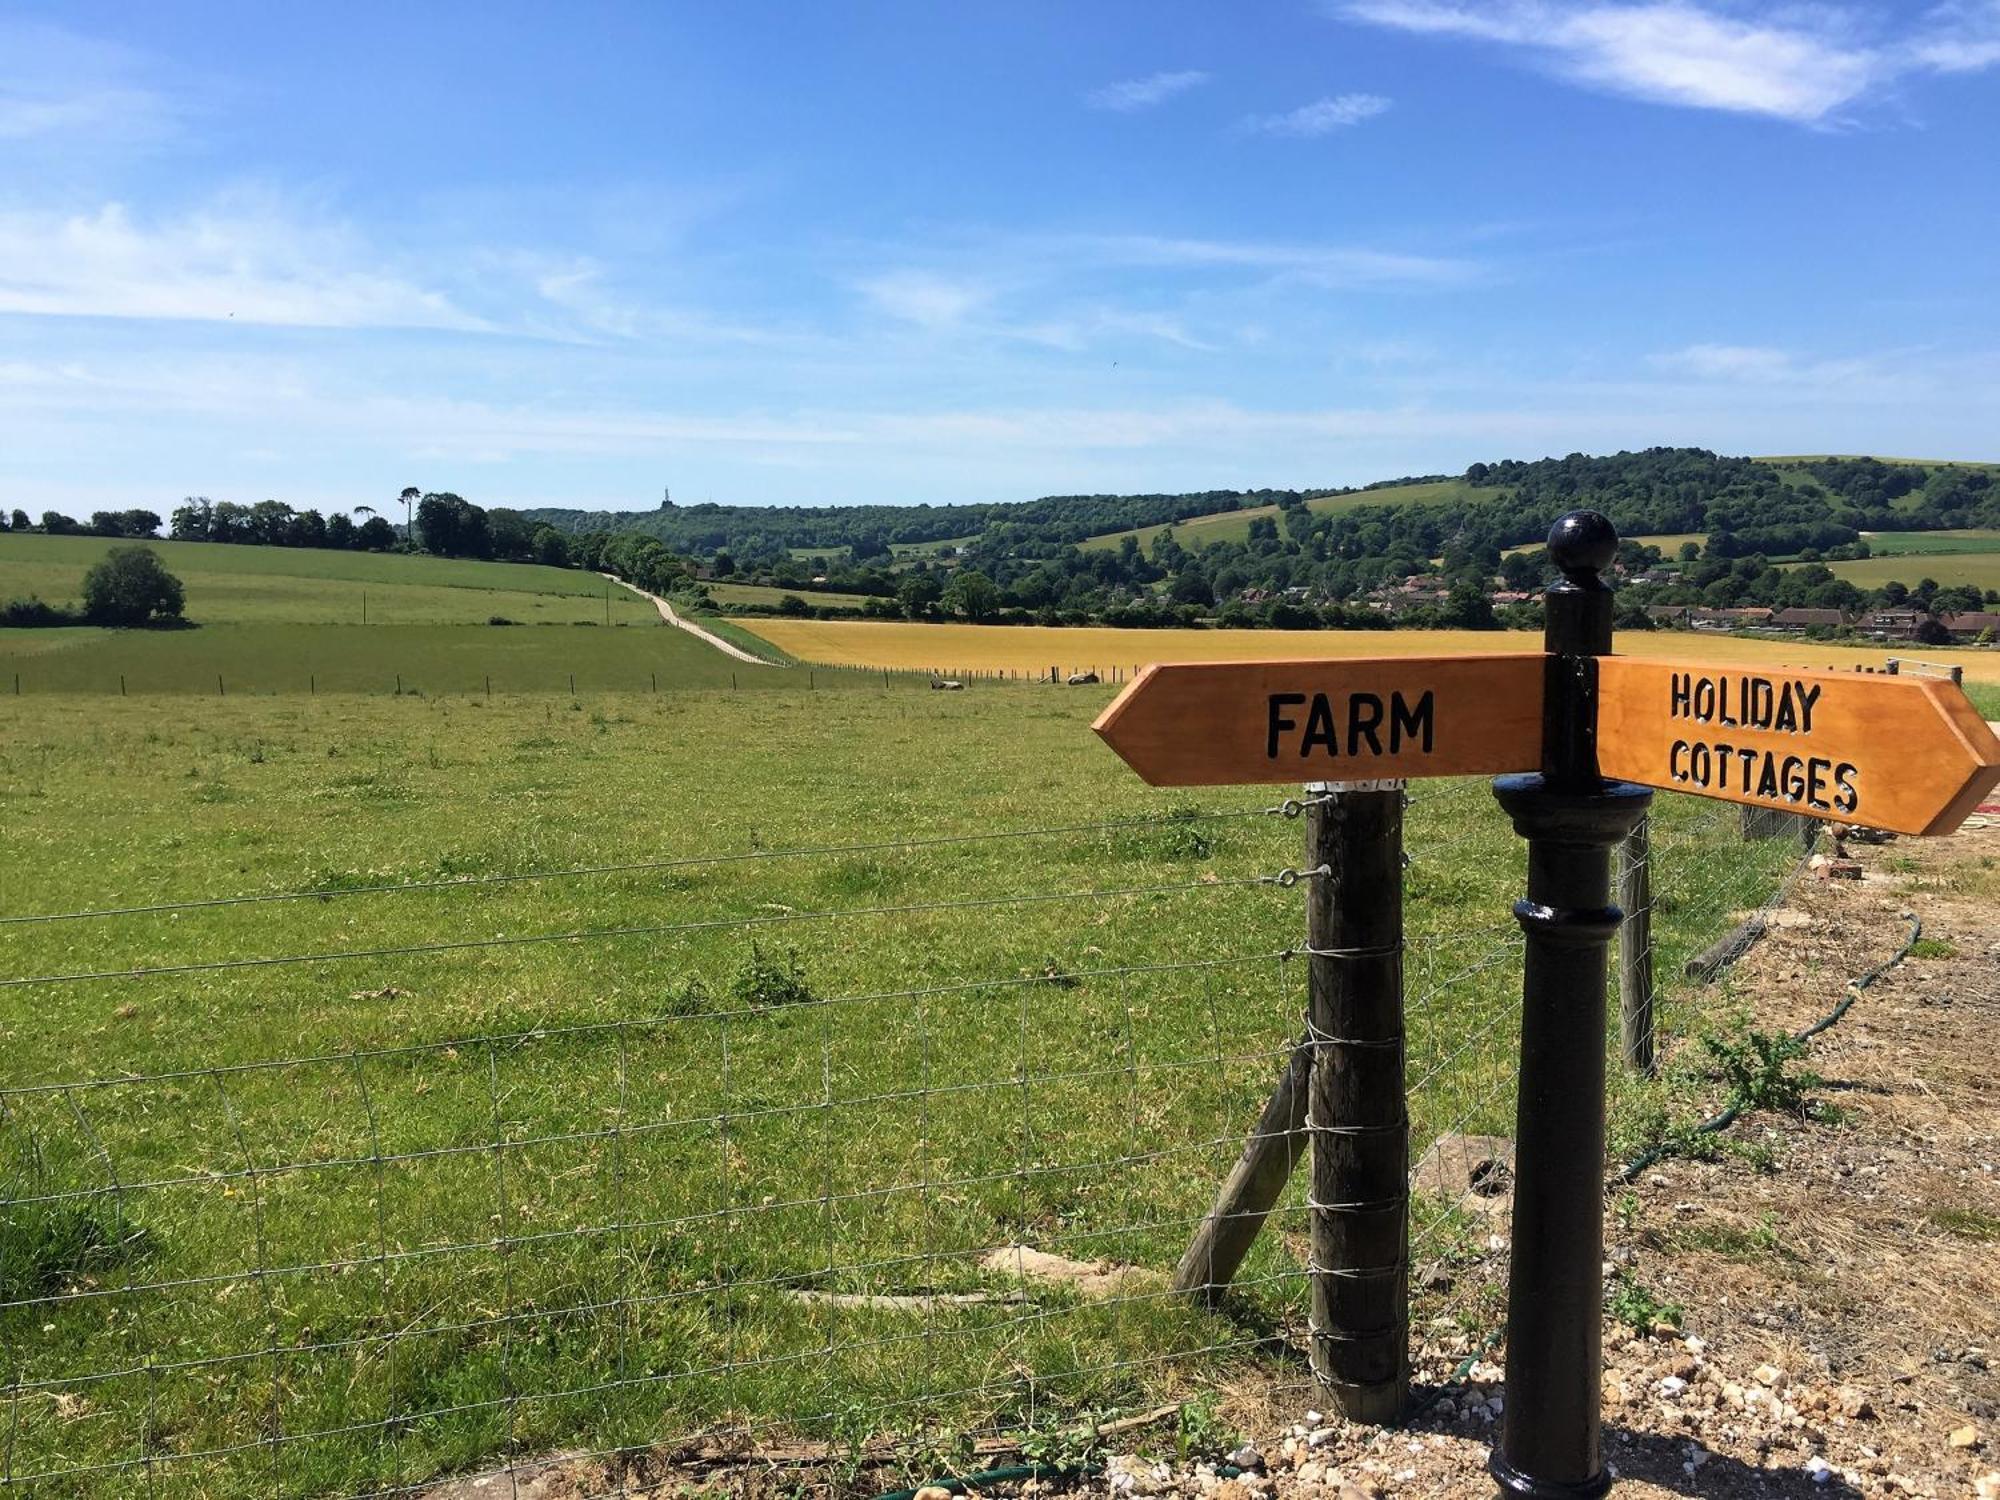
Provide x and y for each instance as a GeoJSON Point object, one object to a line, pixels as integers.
{"type": "Point", "coordinates": [767, 1201]}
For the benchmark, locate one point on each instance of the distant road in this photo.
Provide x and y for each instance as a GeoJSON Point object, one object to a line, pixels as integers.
{"type": "Point", "coordinates": [679, 622]}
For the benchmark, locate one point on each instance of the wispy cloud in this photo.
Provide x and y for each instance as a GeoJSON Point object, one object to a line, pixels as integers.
{"type": "Point", "coordinates": [1773, 369]}
{"type": "Point", "coordinates": [1317, 264]}
{"type": "Point", "coordinates": [60, 89]}
{"type": "Point", "coordinates": [1144, 93]}
{"type": "Point", "coordinates": [247, 265]}
{"type": "Point", "coordinates": [1803, 63]}
{"type": "Point", "coordinates": [1321, 117]}
{"type": "Point", "coordinates": [925, 298]}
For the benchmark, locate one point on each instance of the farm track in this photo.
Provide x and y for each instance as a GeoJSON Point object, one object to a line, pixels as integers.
{"type": "Point", "coordinates": [681, 622]}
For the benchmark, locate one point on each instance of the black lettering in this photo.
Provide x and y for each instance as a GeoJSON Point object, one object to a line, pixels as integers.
{"type": "Point", "coordinates": [1746, 756]}
{"type": "Point", "coordinates": [1417, 724]}
{"type": "Point", "coordinates": [1787, 719]}
{"type": "Point", "coordinates": [1792, 778]}
{"type": "Point", "coordinates": [1680, 697]}
{"type": "Point", "coordinates": [1360, 727]}
{"type": "Point", "coordinates": [1319, 727]}
{"type": "Point", "coordinates": [1704, 699]}
{"type": "Point", "coordinates": [1808, 695]}
{"type": "Point", "coordinates": [1722, 754]}
{"type": "Point", "coordinates": [1760, 694]}
{"type": "Point", "coordinates": [1767, 777]}
{"type": "Point", "coordinates": [1700, 765]}
{"type": "Point", "coordinates": [1279, 723]}
{"type": "Point", "coordinates": [1846, 799]}
{"type": "Point", "coordinates": [1816, 770]}
{"type": "Point", "coordinates": [1674, 753]}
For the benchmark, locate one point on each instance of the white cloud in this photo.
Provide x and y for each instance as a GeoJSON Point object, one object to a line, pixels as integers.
{"type": "Point", "coordinates": [926, 298]}
{"type": "Point", "coordinates": [1319, 265]}
{"type": "Point", "coordinates": [1771, 368]}
{"type": "Point", "coordinates": [1321, 117]}
{"type": "Point", "coordinates": [61, 89]}
{"type": "Point", "coordinates": [1144, 93]}
{"type": "Point", "coordinates": [1803, 63]}
{"type": "Point", "coordinates": [247, 265]}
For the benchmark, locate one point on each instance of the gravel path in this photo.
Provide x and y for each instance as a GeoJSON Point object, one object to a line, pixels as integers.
{"type": "Point", "coordinates": [681, 622]}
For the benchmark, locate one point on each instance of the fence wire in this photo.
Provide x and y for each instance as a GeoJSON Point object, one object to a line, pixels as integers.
{"type": "Point", "coordinates": [891, 1219]}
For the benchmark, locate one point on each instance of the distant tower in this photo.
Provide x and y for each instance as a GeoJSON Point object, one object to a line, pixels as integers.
{"type": "Point", "coordinates": [666, 498]}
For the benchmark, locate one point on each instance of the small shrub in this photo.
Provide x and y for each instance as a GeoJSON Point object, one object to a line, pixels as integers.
{"type": "Point", "coordinates": [1756, 1070]}
{"type": "Point", "coordinates": [1203, 1431]}
{"type": "Point", "coordinates": [500, 620]}
{"type": "Point", "coordinates": [32, 613]}
{"type": "Point", "coordinates": [765, 981]}
{"type": "Point", "coordinates": [1630, 1302]}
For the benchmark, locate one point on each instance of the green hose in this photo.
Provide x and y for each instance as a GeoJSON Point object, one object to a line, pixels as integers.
{"type": "Point", "coordinates": [1631, 1170]}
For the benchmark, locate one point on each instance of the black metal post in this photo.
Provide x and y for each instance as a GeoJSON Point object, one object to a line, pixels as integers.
{"type": "Point", "coordinates": [1571, 817]}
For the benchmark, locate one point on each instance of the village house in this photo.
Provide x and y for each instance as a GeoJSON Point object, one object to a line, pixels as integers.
{"type": "Point", "coordinates": [1674, 616]}
{"type": "Point", "coordinates": [1807, 619]}
{"type": "Point", "coordinates": [1970, 624]}
{"type": "Point", "coordinates": [1893, 624]}
{"type": "Point", "coordinates": [1742, 617]}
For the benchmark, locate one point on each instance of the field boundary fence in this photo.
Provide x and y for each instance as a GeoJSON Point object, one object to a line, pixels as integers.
{"type": "Point", "coordinates": [889, 1231]}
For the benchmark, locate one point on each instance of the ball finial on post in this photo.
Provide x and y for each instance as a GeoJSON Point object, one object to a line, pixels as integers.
{"type": "Point", "coordinates": [1583, 544]}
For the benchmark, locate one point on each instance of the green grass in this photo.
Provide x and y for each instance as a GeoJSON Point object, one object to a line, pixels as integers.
{"type": "Point", "coordinates": [1980, 569]}
{"type": "Point", "coordinates": [299, 585]}
{"type": "Point", "coordinates": [1234, 525]}
{"type": "Point", "coordinates": [757, 593]}
{"type": "Point", "coordinates": [1923, 543]}
{"type": "Point", "coordinates": [429, 659]}
{"type": "Point", "coordinates": [684, 1174]}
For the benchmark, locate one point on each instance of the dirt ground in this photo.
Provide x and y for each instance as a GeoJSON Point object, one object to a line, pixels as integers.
{"type": "Point", "coordinates": [1836, 1276]}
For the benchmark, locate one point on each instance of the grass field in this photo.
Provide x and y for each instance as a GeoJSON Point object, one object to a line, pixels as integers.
{"type": "Point", "coordinates": [1033, 649]}
{"type": "Point", "coordinates": [1234, 525]}
{"type": "Point", "coordinates": [1925, 543]}
{"type": "Point", "coordinates": [298, 585]}
{"type": "Point", "coordinates": [1980, 569]}
{"type": "Point", "coordinates": [430, 659]}
{"type": "Point", "coordinates": [403, 1263]}
{"type": "Point", "coordinates": [757, 593]}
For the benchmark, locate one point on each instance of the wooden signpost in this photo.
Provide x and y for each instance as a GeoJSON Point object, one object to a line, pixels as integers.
{"type": "Point", "coordinates": [1908, 754]}
{"type": "Point", "coordinates": [1574, 737]}
{"type": "Point", "coordinates": [1366, 719]}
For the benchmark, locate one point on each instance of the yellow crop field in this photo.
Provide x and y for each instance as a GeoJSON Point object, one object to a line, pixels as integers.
{"type": "Point", "coordinates": [1036, 648]}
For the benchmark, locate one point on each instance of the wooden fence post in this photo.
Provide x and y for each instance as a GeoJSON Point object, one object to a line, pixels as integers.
{"type": "Point", "coordinates": [1635, 949]}
{"type": "Point", "coordinates": [1359, 1198]}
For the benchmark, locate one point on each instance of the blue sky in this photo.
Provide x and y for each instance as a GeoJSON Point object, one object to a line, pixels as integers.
{"type": "Point", "coordinates": [797, 253]}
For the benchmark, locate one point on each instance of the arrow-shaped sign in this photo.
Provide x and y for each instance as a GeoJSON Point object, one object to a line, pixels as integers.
{"type": "Point", "coordinates": [1347, 719]}
{"type": "Point", "coordinates": [1904, 753]}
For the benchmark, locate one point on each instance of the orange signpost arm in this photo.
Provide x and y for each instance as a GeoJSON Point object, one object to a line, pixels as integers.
{"type": "Point", "coordinates": [1907, 754]}
{"type": "Point", "coordinates": [1341, 719]}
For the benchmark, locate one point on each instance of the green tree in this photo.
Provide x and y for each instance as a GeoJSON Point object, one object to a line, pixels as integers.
{"type": "Point", "coordinates": [973, 595]}
{"type": "Point", "coordinates": [130, 586]}
{"type": "Point", "coordinates": [375, 535]}
{"type": "Point", "coordinates": [20, 521]}
{"type": "Point", "coordinates": [919, 593]}
{"type": "Point", "coordinates": [551, 547]}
